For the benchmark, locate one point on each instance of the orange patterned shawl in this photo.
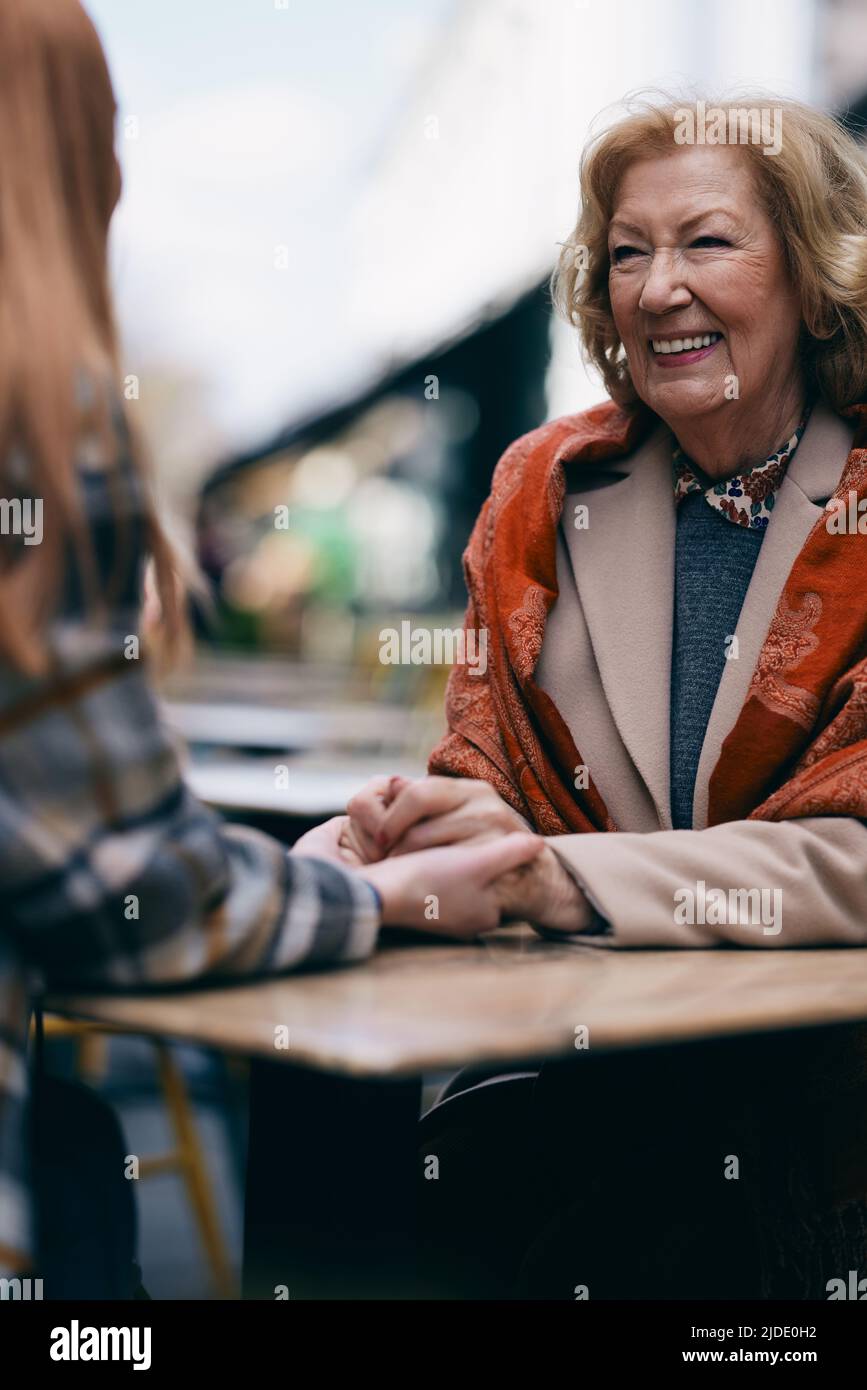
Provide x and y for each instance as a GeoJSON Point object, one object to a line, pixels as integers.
{"type": "Point", "coordinates": [799, 746]}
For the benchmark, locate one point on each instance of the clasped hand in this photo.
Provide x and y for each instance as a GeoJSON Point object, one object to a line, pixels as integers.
{"type": "Point", "coordinates": [450, 856]}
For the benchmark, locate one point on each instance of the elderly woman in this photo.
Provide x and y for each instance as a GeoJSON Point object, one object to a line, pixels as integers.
{"type": "Point", "coordinates": [672, 584]}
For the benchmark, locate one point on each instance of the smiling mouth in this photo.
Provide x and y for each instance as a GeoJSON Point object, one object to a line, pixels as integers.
{"type": "Point", "coordinates": [667, 347]}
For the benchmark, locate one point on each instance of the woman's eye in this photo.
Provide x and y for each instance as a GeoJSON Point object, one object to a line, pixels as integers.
{"type": "Point", "coordinates": [622, 253]}
{"type": "Point", "coordinates": [710, 241]}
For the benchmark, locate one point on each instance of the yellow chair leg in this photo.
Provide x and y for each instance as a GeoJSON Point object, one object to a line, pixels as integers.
{"type": "Point", "coordinates": [188, 1159]}
{"type": "Point", "coordinates": [194, 1169]}
{"type": "Point", "coordinates": [91, 1061]}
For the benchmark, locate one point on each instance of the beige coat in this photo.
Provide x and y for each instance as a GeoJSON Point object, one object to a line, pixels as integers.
{"type": "Point", "coordinates": [606, 663]}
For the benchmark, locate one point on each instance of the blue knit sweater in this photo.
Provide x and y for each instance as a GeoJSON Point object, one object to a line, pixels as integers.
{"type": "Point", "coordinates": [713, 564]}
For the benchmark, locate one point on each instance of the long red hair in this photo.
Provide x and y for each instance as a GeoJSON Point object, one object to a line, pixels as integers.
{"type": "Point", "coordinates": [59, 183]}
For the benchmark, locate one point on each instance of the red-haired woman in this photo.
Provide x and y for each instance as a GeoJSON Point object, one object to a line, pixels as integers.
{"type": "Point", "coordinates": [112, 874]}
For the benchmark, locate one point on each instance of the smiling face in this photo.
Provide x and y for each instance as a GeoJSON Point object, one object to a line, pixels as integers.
{"type": "Point", "coordinates": [699, 288]}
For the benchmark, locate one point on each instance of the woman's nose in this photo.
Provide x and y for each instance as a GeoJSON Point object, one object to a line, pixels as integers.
{"type": "Point", "coordinates": [664, 287]}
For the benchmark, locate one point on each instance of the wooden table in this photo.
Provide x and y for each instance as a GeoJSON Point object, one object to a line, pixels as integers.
{"type": "Point", "coordinates": [339, 1056]}
{"type": "Point", "coordinates": [433, 1006]}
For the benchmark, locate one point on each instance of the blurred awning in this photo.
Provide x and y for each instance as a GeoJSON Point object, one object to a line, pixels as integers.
{"type": "Point", "coordinates": [477, 182]}
{"type": "Point", "coordinates": [318, 196]}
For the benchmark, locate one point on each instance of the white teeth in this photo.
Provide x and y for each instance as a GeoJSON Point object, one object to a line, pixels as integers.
{"type": "Point", "coordinates": [666, 345]}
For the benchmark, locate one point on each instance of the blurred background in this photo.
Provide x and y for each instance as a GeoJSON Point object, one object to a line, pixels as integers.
{"type": "Point", "coordinates": [330, 259]}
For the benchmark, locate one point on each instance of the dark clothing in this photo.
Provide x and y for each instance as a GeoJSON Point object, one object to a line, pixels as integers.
{"type": "Point", "coordinates": [713, 566]}
{"type": "Point", "coordinates": [672, 1172]}
{"type": "Point", "coordinates": [84, 1205]}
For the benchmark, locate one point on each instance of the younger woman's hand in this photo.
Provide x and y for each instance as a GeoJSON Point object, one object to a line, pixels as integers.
{"type": "Point", "coordinates": [325, 842]}
{"type": "Point", "coordinates": [454, 891]}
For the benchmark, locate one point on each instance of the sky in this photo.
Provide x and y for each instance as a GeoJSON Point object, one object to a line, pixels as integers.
{"type": "Point", "coordinates": [246, 133]}
{"type": "Point", "coordinates": [315, 189]}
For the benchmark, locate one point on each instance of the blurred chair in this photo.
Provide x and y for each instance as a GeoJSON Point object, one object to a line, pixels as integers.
{"type": "Point", "coordinates": [187, 1159]}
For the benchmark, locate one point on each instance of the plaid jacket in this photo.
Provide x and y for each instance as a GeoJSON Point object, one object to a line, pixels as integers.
{"type": "Point", "coordinates": [111, 873]}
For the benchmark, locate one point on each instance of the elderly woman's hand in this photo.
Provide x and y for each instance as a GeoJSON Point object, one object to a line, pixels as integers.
{"type": "Point", "coordinates": [393, 816]}
{"type": "Point", "coordinates": [545, 893]}
{"type": "Point", "coordinates": [364, 818]}
{"type": "Point", "coordinates": [473, 885]}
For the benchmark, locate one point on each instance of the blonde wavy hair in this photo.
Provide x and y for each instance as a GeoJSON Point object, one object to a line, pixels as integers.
{"type": "Point", "coordinates": [815, 192]}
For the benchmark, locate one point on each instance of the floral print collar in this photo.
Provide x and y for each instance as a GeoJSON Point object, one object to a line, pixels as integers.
{"type": "Point", "coordinates": [747, 499]}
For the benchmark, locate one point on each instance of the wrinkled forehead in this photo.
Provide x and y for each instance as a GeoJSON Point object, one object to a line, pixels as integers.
{"type": "Point", "coordinates": [669, 189]}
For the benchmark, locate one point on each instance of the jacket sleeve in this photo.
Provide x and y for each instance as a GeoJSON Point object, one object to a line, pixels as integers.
{"type": "Point", "coordinates": [113, 874]}
{"type": "Point", "coordinates": [751, 883]}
